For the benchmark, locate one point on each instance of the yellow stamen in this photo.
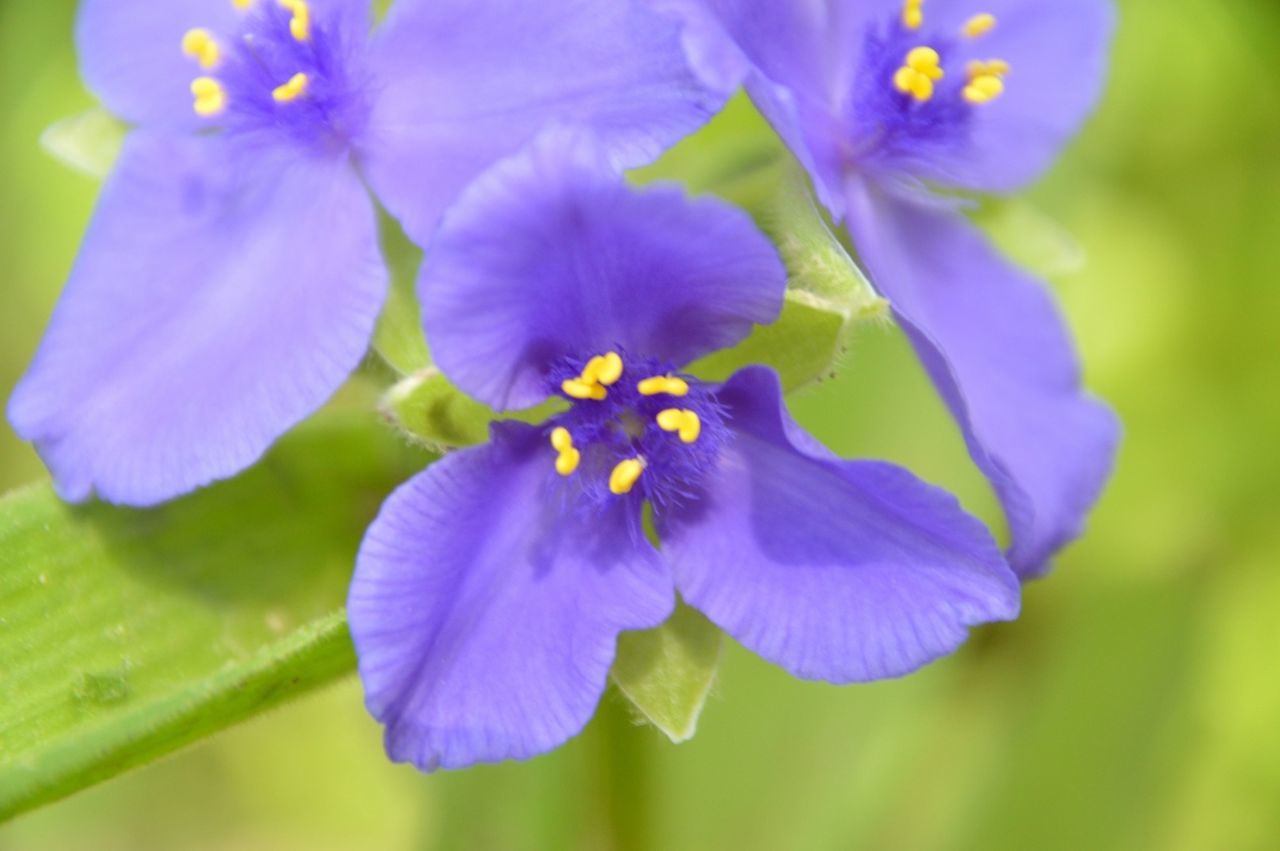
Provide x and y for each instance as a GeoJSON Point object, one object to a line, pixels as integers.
{"type": "Point", "coordinates": [210, 97]}
{"type": "Point", "coordinates": [667, 384]}
{"type": "Point", "coordinates": [625, 475]}
{"type": "Point", "coordinates": [927, 61]}
{"type": "Point", "coordinates": [567, 462]}
{"type": "Point", "coordinates": [198, 43]}
{"type": "Point", "coordinates": [576, 388]}
{"type": "Point", "coordinates": [241, 5]}
{"type": "Point", "coordinates": [686, 423]}
{"type": "Point", "coordinates": [300, 24]}
{"type": "Point", "coordinates": [916, 77]}
{"type": "Point", "coordinates": [912, 14]}
{"type": "Point", "coordinates": [561, 439]}
{"type": "Point", "coordinates": [979, 25]}
{"type": "Point", "coordinates": [610, 370]}
{"type": "Point", "coordinates": [990, 68]}
{"type": "Point", "coordinates": [291, 90]}
{"type": "Point", "coordinates": [983, 89]}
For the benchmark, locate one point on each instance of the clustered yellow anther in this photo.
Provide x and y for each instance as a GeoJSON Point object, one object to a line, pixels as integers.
{"type": "Point", "coordinates": [986, 81]}
{"type": "Point", "coordinates": [625, 475]}
{"type": "Point", "coordinates": [210, 97]}
{"type": "Point", "coordinates": [912, 14]}
{"type": "Point", "coordinates": [300, 24]}
{"type": "Point", "coordinates": [601, 372]}
{"type": "Point", "coordinates": [198, 43]}
{"type": "Point", "coordinates": [569, 457]}
{"type": "Point", "coordinates": [685, 423]}
{"type": "Point", "coordinates": [979, 25]}
{"type": "Point", "coordinates": [917, 76]}
{"type": "Point", "coordinates": [292, 90]}
{"type": "Point", "coordinates": [659, 384]}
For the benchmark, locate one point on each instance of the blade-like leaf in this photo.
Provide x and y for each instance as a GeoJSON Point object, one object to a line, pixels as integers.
{"type": "Point", "coordinates": [668, 672]}
{"type": "Point", "coordinates": [127, 634]}
{"type": "Point", "coordinates": [88, 142]}
{"type": "Point", "coordinates": [1029, 237]}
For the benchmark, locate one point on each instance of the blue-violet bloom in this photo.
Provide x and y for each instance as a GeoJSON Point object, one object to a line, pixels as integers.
{"type": "Point", "coordinates": [231, 276]}
{"type": "Point", "coordinates": [491, 589]}
{"type": "Point", "coordinates": [887, 101]}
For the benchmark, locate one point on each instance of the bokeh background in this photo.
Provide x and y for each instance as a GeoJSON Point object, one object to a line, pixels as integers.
{"type": "Point", "coordinates": [1136, 704]}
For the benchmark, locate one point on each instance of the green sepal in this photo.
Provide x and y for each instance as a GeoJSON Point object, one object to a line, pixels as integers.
{"type": "Point", "coordinates": [667, 673]}
{"type": "Point", "coordinates": [89, 142]}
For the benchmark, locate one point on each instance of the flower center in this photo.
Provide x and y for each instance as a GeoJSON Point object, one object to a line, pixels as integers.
{"type": "Point", "coordinates": [282, 71]}
{"type": "Point", "coordinates": [919, 88]}
{"type": "Point", "coordinates": [634, 427]}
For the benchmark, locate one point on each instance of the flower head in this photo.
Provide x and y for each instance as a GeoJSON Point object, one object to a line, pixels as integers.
{"type": "Point", "coordinates": [890, 104]}
{"type": "Point", "coordinates": [231, 277]}
{"type": "Point", "coordinates": [491, 589]}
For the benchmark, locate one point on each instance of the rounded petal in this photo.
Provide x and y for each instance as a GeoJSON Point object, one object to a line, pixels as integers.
{"type": "Point", "coordinates": [464, 83]}
{"type": "Point", "coordinates": [844, 571]}
{"type": "Point", "coordinates": [551, 255]}
{"type": "Point", "coordinates": [485, 611]}
{"type": "Point", "coordinates": [217, 300]}
{"type": "Point", "coordinates": [1057, 51]}
{"type": "Point", "coordinates": [998, 351]}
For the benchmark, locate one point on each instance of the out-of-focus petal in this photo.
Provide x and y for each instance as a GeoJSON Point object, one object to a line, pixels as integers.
{"type": "Point", "coordinates": [998, 351]}
{"type": "Point", "coordinates": [550, 255]}
{"type": "Point", "coordinates": [843, 571]}
{"type": "Point", "coordinates": [485, 609]}
{"type": "Point", "coordinates": [1057, 51]}
{"type": "Point", "coordinates": [464, 83]}
{"type": "Point", "coordinates": [217, 300]}
{"type": "Point", "coordinates": [131, 55]}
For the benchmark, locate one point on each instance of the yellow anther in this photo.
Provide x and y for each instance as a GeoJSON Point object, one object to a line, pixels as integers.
{"type": "Point", "coordinates": [983, 89]}
{"type": "Point", "coordinates": [561, 439]}
{"type": "Point", "coordinates": [686, 423]}
{"type": "Point", "coordinates": [990, 68]}
{"type": "Point", "coordinates": [927, 61]}
{"type": "Point", "coordinates": [979, 25]}
{"type": "Point", "coordinates": [909, 81]}
{"type": "Point", "coordinates": [567, 462]}
{"type": "Point", "coordinates": [576, 388]}
{"type": "Point", "coordinates": [920, 69]}
{"type": "Point", "coordinates": [912, 14]}
{"type": "Point", "coordinates": [671, 419]}
{"type": "Point", "coordinates": [291, 90]}
{"type": "Point", "coordinates": [667, 384]}
{"type": "Point", "coordinates": [198, 43]}
{"type": "Point", "coordinates": [241, 5]}
{"type": "Point", "coordinates": [210, 97]}
{"type": "Point", "coordinates": [625, 475]}
{"type": "Point", "coordinates": [300, 23]}
{"type": "Point", "coordinates": [610, 370]}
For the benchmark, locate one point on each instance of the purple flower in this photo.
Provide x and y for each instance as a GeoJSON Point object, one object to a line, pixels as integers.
{"type": "Point", "coordinates": [231, 277]}
{"type": "Point", "coordinates": [490, 591]}
{"type": "Point", "coordinates": [885, 101]}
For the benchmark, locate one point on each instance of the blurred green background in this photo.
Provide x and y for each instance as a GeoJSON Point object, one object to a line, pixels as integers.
{"type": "Point", "coordinates": [1136, 704]}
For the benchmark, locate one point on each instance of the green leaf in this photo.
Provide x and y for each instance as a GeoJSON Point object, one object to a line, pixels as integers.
{"type": "Point", "coordinates": [431, 411]}
{"type": "Point", "coordinates": [668, 672]}
{"type": "Point", "coordinates": [399, 339]}
{"type": "Point", "coordinates": [88, 143]}
{"type": "Point", "coordinates": [128, 634]}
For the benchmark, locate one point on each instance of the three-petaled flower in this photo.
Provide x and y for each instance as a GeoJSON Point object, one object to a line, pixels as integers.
{"type": "Point", "coordinates": [885, 100]}
{"type": "Point", "coordinates": [490, 591]}
{"type": "Point", "coordinates": [231, 277]}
